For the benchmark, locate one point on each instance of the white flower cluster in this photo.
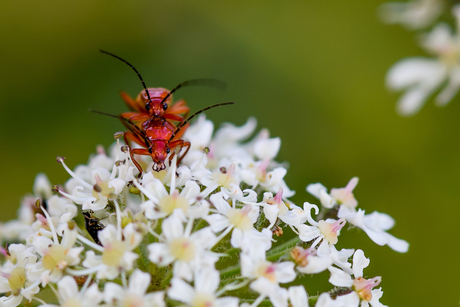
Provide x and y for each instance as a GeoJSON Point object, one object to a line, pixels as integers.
{"type": "Point", "coordinates": [420, 77]}
{"type": "Point", "coordinates": [204, 233]}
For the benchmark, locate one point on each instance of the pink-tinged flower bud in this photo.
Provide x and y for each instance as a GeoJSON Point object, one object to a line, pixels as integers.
{"type": "Point", "coordinates": [364, 286]}
{"type": "Point", "coordinates": [118, 135]}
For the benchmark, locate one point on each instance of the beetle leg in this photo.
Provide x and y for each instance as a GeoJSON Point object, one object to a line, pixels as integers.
{"type": "Point", "coordinates": [132, 104]}
{"type": "Point", "coordinates": [129, 136]}
{"type": "Point", "coordinates": [181, 144]}
{"type": "Point", "coordinates": [185, 144]}
{"type": "Point", "coordinates": [173, 117]}
{"type": "Point", "coordinates": [178, 108]}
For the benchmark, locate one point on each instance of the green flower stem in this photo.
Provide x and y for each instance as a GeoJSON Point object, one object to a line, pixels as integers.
{"type": "Point", "coordinates": [232, 251]}
{"type": "Point", "coordinates": [265, 302]}
{"type": "Point", "coordinates": [199, 225]}
{"type": "Point", "coordinates": [313, 299]}
{"type": "Point", "coordinates": [166, 279]}
{"type": "Point", "coordinates": [281, 250]}
{"type": "Point", "coordinates": [143, 261]}
{"type": "Point", "coordinates": [230, 272]}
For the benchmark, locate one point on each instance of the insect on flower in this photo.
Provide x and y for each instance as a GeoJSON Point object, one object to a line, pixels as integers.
{"type": "Point", "coordinates": [157, 102]}
{"type": "Point", "coordinates": [151, 123]}
{"type": "Point", "coordinates": [92, 225]}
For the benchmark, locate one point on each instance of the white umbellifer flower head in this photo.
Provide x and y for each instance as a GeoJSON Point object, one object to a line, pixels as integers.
{"type": "Point", "coordinates": [420, 77]}
{"type": "Point", "coordinates": [161, 237]}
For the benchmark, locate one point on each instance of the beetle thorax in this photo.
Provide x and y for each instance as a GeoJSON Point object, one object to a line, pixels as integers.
{"type": "Point", "coordinates": [159, 132]}
{"type": "Point", "coordinates": [154, 106]}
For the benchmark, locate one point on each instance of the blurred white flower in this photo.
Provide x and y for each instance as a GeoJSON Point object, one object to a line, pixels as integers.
{"type": "Point", "coordinates": [421, 77]}
{"type": "Point", "coordinates": [414, 14]}
{"type": "Point", "coordinates": [135, 294]}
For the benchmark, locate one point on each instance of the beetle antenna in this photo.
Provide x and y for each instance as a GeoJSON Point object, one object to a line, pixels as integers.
{"type": "Point", "coordinates": [103, 113]}
{"type": "Point", "coordinates": [126, 62]}
{"type": "Point", "coordinates": [192, 116]}
{"type": "Point", "coordinates": [112, 115]}
{"type": "Point", "coordinates": [125, 121]}
{"type": "Point", "coordinates": [220, 85]}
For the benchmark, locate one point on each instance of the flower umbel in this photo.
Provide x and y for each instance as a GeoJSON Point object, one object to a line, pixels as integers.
{"type": "Point", "coordinates": [206, 233]}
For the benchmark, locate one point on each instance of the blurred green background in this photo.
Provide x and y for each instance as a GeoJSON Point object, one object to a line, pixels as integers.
{"type": "Point", "coordinates": [312, 72]}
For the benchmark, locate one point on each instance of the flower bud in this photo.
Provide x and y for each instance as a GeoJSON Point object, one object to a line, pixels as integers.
{"type": "Point", "coordinates": [118, 135]}
{"type": "Point", "coordinates": [60, 159]}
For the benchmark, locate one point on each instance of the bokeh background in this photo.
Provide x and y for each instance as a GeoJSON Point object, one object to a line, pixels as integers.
{"type": "Point", "coordinates": [312, 72]}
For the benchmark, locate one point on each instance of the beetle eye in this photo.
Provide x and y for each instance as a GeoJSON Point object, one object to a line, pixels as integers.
{"type": "Point", "coordinates": [165, 106]}
{"type": "Point", "coordinates": [147, 107]}
{"type": "Point", "coordinates": [167, 150]}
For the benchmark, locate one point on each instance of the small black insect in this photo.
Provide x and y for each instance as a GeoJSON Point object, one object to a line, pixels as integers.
{"type": "Point", "coordinates": [92, 225]}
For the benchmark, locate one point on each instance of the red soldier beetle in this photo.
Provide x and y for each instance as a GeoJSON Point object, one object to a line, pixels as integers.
{"type": "Point", "coordinates": [157, 102]}
{"type": "Point", "coordinates": [158, 137]}
{"type": "Point", "coordinates": [150, 124]}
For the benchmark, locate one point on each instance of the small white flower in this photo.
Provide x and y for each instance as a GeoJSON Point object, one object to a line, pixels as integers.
{"type": "Point", "coordinates": [135, 294]}
{"type": "Point", "coordinates": [342, 196]}
{"type": "Point", "coordinates": [94, 195]}
{"type": "Point", "coordinates": [56, 257]}
{"type": "Point", "coordinates": [324, 232]}
{"type": "Point", "coordinates": [240, 222]}
{"type": "Point", "coordinates": [274, 207]}
{"type": "Point", "coordinates": [117, 255]}
{"type": "Point", "coordinates": [308, 262]}
{"type": "Point", "coordinates": [162, 204]}
{"type": "Point", "coordinates": [188, 251]}
{"type": "Point", "coordinates": [362, 288]}
{"type": "Point", "coordinates": [325, 300]}
{"type": "Point", "coordinates": [70, 295]}
{"type": "Point", "coordinates": [298, 296]}
{"type": "Point", "coordinates": [15, 278]}
{"type": "Point", "coordinates": [267, 276]}
{"type": "Point", "coordinates": [204, 291]}
{"type": "Point", "coordinates": [375, 225]}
